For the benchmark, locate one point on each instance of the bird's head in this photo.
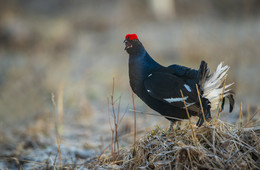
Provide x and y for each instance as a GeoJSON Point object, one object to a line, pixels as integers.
{"type": "Point", "coordinates": [132, 44]}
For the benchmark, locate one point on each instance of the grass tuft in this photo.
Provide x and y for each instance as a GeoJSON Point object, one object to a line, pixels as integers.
{"type": "Point", "coordinates": [225, 146]}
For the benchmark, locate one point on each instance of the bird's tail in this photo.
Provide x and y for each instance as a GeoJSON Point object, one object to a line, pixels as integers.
{"type": "Point", "coordinates": [212, 86]}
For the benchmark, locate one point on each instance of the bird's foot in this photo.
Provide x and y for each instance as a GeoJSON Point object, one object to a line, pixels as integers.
{"type": "Point", "coordinates": [201, 119]}
{"type": "Point", "coordinates": [172, 130]}
{"type": "Point", "coordinates": [178, 126]}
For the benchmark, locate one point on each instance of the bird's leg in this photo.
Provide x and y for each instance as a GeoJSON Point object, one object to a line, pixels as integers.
{"type": "Point", "coordinates": [201, 120]}
{"type": "Point", "coordinates": [207, 115]}
{"type": "Point", "coordinates": [171, 125]}
{"type": "Point", "coordinates": [178, 124]}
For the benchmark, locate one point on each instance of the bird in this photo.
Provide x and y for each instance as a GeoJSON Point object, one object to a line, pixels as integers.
{"type": "Point", "coordinates": [166, 88]}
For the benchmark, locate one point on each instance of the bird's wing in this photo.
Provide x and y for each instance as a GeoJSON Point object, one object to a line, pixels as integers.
{"type": "Point", "coordinates": [184, 72]}
{"type": "Point", "coordinates": [166, 87]}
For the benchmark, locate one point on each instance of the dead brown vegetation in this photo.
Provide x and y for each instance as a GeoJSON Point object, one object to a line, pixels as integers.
{"type": "Point", "coordinates": [220, 146]}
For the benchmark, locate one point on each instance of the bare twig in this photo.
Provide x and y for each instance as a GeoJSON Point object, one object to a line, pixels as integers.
{"type": "Point", "coordinates": [60, 106]}
{"type": "Point", "coordinates": [123, 114]}
{"type": "Point", "coordinates": [134, 117]}
{"type": "Point", "coordinates": [118, 110]}
{"type": "Point", "coordinates": [18, 163]}
{"type": "Point", "coordinates": [218, 110]}
{"type": "Point", "coordinates": [240, 116]}
{"type": "Point", "coordinates": [56, 128]}
{"type": "Point", "coordinates": [202, 110]}
{"type": "Point", "coordinates": [193, 133]}
{"type": "Point", "coordinates": [115, 117]}
{"type": "Point", "coordinates": [247, 114]}
{"type": "Point", "coordinates": [250, 120]}
{"type": "Point", "coordinates": [112, 130]}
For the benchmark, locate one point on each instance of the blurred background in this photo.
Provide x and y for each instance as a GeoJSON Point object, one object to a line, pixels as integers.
{"type": "Point", "coordinates": [73, 49]}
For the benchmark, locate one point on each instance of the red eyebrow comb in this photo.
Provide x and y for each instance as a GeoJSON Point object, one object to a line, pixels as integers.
{"type": "Point", "coordinates": [131, 36]}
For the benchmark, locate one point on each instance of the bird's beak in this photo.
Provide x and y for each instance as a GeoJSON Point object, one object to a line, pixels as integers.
{"type": "Point", "coordinates": [127, 44]}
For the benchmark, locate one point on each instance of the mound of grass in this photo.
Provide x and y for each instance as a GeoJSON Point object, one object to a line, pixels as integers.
{"type": "Point", "coordinates": [213, 146]}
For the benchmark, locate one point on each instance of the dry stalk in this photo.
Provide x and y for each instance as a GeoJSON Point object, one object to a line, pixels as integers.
{"type": "Point", "coordinates": [193, 133]}
{"type": "Point", "coordinates": [219, 105]}
{"type": "Point", "coordinates": [247, 115]}
{"type": "Point", "coordinates": [112, 130]}
{"type": "Point", "coordinates": [133, 98]}
{"type": "Point", "coordinates": [240, 116]}
{"type": "Point", "coordinates": [56, 127]}
{"type": "Point", "coordinates": [250, 120]}
{"type": "Point", "coordinates": [231, 151]}
{"type": "Point", "coordinates": [189, 156]}
{"type": "Point", "coordinates": [214, 139]}
{"type": "Point", "coordinates": [114, 112]}
{"type": "Point", "coordinates": [118, 110]}
{"type": "Point", "coordinates": [115, 117]}
{"type": "Point", "coordinates": [60, 106]}
{"type": "Point", "coordinates": [17, 163]}
{"type": "Point", "coordinates": [202, 110]}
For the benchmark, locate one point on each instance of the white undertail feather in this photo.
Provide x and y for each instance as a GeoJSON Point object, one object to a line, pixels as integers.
{"type": "Point", "coordinates": [213, 87]}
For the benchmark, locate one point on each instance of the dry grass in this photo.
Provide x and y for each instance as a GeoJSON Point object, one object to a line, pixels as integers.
{"type": "Point", "coordinates": [220, 146]}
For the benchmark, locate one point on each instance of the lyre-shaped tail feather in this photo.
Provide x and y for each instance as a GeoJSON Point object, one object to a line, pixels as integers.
{"type": "Point", "coordinates": [204, 73]}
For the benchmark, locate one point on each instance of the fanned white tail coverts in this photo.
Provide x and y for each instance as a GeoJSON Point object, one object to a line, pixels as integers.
{"type": "Point", "coordinates": [213, 87]}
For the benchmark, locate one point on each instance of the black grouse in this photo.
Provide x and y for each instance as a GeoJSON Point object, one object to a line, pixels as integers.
{"type": "Point", "coordinates": [159, 87]}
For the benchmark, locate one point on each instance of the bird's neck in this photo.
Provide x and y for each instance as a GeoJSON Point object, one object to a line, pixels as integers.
{"type": "Point", "coordinates": [140, 66]}
{"type": "Point", "coordinates": [142, 62]}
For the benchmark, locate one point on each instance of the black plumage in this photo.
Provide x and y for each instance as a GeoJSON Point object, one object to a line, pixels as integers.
{"type": "Point", "coordinates": [159, 87]}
